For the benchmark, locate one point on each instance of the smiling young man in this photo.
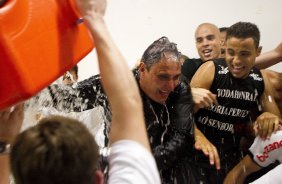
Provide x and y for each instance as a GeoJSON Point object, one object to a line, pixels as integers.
{"type": "Point", "coordinates": [208, 44]}
{"type": "Point", "coordinates": [240, 90]}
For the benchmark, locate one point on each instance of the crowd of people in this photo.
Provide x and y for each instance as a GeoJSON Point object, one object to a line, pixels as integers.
{"type": "Point", "coordinates": [213, 119]}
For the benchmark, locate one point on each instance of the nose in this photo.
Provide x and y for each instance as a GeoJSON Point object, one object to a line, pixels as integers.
{"type": "Point", "coordinates": [171, 84]}
{"type": "Point", "coordinates": [236, 60]}
{"type": "Point", "coordinates": [205, 42]}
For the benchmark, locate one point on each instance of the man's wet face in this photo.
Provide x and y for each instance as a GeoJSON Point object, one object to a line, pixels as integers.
{"type": "Point", "coordinates": [161, 79]}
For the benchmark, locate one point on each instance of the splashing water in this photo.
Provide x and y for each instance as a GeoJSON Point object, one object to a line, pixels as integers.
{"type": "Point", "coordinates": [42, 105]}
{"type": "Point", "coordinates": [166, 125]}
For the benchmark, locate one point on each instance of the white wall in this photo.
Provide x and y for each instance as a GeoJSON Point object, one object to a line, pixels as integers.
{"type": "Point", "coordinates": [134, 24]}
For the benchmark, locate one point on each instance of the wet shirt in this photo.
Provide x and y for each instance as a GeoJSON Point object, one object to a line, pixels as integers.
{"type": "Point", "coordinates": [170, 130]}
{"type": "Point", "coordinates": [238, 99]}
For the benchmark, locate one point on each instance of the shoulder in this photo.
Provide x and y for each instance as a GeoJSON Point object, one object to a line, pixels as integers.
{"type": "Point", "coordinates": [190, 66]}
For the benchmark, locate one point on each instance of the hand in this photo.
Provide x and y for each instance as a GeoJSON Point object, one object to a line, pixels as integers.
{"type": "Point", "coordinates": [93, 8]}
{"type": "Point", "coordinates": [202, 143]}
{"type": "Point", "coordinates": [203, 98]}
{"type": "Point", "coordinates": [11, 121]}
{"type": "Point", "coordinates": [266, 124]}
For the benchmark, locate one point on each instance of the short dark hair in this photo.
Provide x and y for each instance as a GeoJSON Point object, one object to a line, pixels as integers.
{"type": "Point", "coordinates": [155, 52]}
{"type": "Point", "coordinates": [244, 30]}
{"type": "Point", "coordinates": [223, 29]}
{"type": "Point", "coordinates": [57, 150]}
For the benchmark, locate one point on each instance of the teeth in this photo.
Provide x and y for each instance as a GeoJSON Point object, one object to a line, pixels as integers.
{"type": "Point", "coordinates": [237, 67]}
{"type": "Point", "coordinates": [207, 51]}
{"type": "Point", "coordinates": [164, 91]}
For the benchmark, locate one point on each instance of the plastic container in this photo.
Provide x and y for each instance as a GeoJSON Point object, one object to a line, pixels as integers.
{"type": "Point", "coordinates": [39, 41]}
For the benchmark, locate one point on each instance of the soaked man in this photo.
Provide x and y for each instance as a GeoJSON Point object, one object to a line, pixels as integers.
{"type": "Point", "coordinates": [167, 103]}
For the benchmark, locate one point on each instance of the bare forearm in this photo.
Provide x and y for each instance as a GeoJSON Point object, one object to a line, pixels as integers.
{"type": "Point", "coordinates": [270, 58]}
{"type": "Point", "coordinates": [119, 85]}
{"type": "Point", "coordinates": [242, 170]}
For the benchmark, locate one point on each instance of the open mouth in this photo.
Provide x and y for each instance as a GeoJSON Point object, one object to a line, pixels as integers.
{"type": "Point", "coordinates": [207, 52]}
{"type": "Point", "coordinates": [164, 92]}
{"type": "Point", "coordinates": [237, 69]}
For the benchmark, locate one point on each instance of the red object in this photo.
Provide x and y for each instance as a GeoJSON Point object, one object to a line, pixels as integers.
{"type": "Point", "coordinates": [39, 41]}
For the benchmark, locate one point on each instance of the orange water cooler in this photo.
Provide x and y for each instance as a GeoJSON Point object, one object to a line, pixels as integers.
{"type": "Point", "coordinates": [39, 41]}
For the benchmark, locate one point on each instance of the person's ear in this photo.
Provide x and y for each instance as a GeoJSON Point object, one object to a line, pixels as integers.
{"type": "Point", "coordinates": [99, 177]}
{"type": "Point", "coordinates": [142, 67]}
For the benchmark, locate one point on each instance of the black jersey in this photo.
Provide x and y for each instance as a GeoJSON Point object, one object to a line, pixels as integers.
{"type": "Point", "coordinates": [238, 99]}
{"type": "Point", "coordinates": [190, 66]}
{"type": "Point", "coordinates": [223, 124]}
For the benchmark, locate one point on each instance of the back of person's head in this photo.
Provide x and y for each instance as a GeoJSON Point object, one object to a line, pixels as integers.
{"type": "Point", "coordinates": [58, 150]}
{"type": "Point", "coordinates": [243, 30]}
{"type": "Point", "coordinates": [157, 50]}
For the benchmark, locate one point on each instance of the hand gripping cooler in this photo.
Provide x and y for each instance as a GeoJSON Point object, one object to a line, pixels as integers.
{"type": "Point", "coordinates": [39, 41]}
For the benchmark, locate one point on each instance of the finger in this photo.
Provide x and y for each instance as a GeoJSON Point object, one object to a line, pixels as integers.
{"type": "Point", "coordinates": [211, 156]}
{"type": "Point", "coordinates": [198, 146]}
{"type": "Point", "coordinates": [268, 128]}
{"type": "Point", "coordinates": [206, 102]}
{"type": "Point", "coordinates": [271, 128]}
{"type": "Point", "coordinates": [18, 111]}
{"type": "Point", "coordinates": [217, 159]}
{"type": "Point", "coordinates": [5, 113]}
{"type": "Point", "coordinates": [19, 108]}
{"type": "Point", "coordinates": [205, 150]}
{"type": "Point", "coordinates": [264, 128]}
{"type": "Point", "coordinates": [256, 129]}
{"type": "Point", "coordinates": [214, 99]}
{"type": "Point", "coordinates": [276, 125]}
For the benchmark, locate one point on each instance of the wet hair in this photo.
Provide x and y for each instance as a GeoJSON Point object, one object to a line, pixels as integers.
{"type": "Point", "coordinates": [244, 30]}
{"type": "Point", "coordinates": [57, 150]}
{"type": "Point", "coordinates": [223, 29]}
{"type": "Point", "coordinates": [156, 51]}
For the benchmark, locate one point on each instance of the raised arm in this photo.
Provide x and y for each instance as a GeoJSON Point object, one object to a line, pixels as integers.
{"type": "Point", "coordinates": [269, 58]}
{"type": "Point", "coordinates": [117, 79]}
{"type": "Point", "coordinates": [203, 78]}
